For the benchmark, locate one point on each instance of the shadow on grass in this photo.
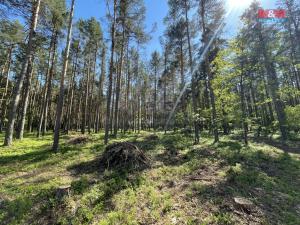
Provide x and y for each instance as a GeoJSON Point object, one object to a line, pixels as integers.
{"type": "Point", "coordinates": [173, 145]}
{"type": "Point", "coordinates": [109, 182]}
{"type": "Point", "coordinates": [270, 181]}
{"type": "Point", "coordinates": [232, 145]}
{"type": "Point", "coordinates": [293, 147]}
{"type": "Point", "coordinates": [14, 211]}
{"type": "Point", "coordinates": [37, 154]}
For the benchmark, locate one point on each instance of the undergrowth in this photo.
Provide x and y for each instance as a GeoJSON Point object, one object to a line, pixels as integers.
{"type": "Point", "coordinates": [185, 184]}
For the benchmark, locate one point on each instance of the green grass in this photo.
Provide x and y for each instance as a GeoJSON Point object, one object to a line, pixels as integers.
{"type": "Point", "coordinates": [186, 184]}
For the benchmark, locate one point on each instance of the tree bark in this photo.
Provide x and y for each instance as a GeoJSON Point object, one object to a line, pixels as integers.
{"type": "Point", "coordinates": [273, 83]}
{"type": "Point", "coordinates": [62, 82]}
{"type": "Point", "coordinates": [4, 98]}
{"type": "Point", "coordinates": [50, 62]}
{"type": "Point", "coordinates": [118, 85]}
{"type": "Point", "coordinates": [111, 70]}
{"type": "Point", "coordinates": [27, 87]}
{"type": "Point", "coordinates": [245, 123]}
{"type": "Point", "coordinates": [86, 99]}
{"type": "Point", "coordinates": [191, 63]}
{"type": "Point", "coordinates": [17, 90]}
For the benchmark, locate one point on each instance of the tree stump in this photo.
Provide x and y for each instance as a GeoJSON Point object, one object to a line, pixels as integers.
{"type": "Point", "coordinates": [244, 203]}
{"type": "Point", "coordinates": [63, 191]}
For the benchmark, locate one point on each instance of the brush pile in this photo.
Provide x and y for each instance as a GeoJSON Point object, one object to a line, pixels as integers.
{"type": "Point", "coordinates": [77, 140]}
{"type": "Point", "coordinates": [124, 155]}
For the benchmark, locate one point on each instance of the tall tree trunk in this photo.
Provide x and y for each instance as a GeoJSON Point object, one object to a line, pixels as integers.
{"type": "Point", "coordinates": [86, 99]}
{"type": "Point", "coordinates": [155, 99]}
{"type": "Point", "coordinates": [111, 70]}
{"type": "Point", "coordinates": [209, 75]}
{"type": "Point", "coordinates": [274, 88]}
{"type": "Point", "coordinates": [118, 84]}
{"type": "Point", "coordinates": [101, 84]}
{"type": "Point", "coordinates": [27, 87]}
{"type": "Point", "coordinates": [18, 88]}
{"type": "Point", "coordinates": [4, 98]}
{"type": "Point", "coordinates": [213, 102]}
{"type": "Point", "coordinates": [71, 93]}
{"type": "Point", "coordinates": [60, 103]}
{"type": "Point", "coordinates": [191, 63]}
{"type": "Point", "coordinates": [50, 61]}
{"type": "Point", "coordinates": [33, 109]}
{"type": "Point", "coordinates": [244, 118]}
{"type": "Point", "coordinates": [128, 84]}
{"type": "Point", "coordinates": [47, 105]}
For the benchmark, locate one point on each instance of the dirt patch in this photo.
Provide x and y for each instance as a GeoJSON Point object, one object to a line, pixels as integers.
{"type": "Point", "coordinates": [124, 155]}
{"type": "Point", "coordinates": [206, 174]}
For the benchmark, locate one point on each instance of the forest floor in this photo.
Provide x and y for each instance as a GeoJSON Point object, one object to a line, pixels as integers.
{"type": "Point", "coordinates": [224, 183]}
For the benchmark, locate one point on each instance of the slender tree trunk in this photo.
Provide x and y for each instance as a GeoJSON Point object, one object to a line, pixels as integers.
{"type": "Point", "coordinates": [111, 70]}
{"type": "Point", "coordinates": [118, 84]}
{"type": "Point", "coordinates": [50, 61]}
{"type": "Point", "coordinates": [155, 100]}
{"type": "Point", "coordinates": [72, 90]}
{"type": "Point", "coordinates": [91, 94]}
{"type": "Point", "coordinates": [4, 98]}
{"type": "Point", "coordinates": [47, 106]}
{"type": "Point", "coordinates": [27, 88]}
{"type": "Point", "coordinates": [274, 88]}
{"type": "Point", "coordinates": [18, 88]}
{"type": "Point", "coordinates": [128, 84]}
{"type": "Point", "coordinates": [213, 103]}
{"type": "Point", "coordinates": [101, 83]}
{"type": "Point", "coordinates": [191, 62]}
{"type": "Point", "coordinates": [5, 72]}
{"type": "Point", "coordinates": [139, 113]}
{"type": "Point", "coordinates": [245, 123]}
{"type": "Point", "coordinates": [33, 106]}
{"type": "Point", "coordinates": [85, 103]}
{"type": "Point", "coordinates": [60, 103]}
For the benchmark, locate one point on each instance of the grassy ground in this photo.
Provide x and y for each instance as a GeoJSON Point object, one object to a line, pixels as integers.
{"type": "Point", "coordinates": [185, 184]}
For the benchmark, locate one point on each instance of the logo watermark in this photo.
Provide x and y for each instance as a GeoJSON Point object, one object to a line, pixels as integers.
{"type": "Point", "coordinates": [271, 15]}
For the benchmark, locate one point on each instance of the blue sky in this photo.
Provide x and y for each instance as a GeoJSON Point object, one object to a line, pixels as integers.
{"type": "Point", "coordinates": [156, 10]}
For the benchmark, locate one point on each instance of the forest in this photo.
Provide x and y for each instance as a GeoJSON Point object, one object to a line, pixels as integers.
{"type": "Point", "coordinates": [95, 129]}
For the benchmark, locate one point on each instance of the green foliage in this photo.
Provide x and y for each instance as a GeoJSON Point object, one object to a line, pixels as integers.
{"type": "Point", "coordinates": [293, 117]}
{"type": "Point", "coordinates": [150, 196]}
{"type": "Point", "coordinates": [179, 119]}
{"type": "Point", "coordinates": [19, 207]}
{"type": "Point", "coordinates": [118, 217]}
{"type": "Point", "coordinates": [79, 186]}
{"type": "Point", "coordinates": [56, 13]}
{"type": "Point", "coordinates": [11, 32]}
{"type": "Point", "coordinates": [243, 180]}
{"type": "Point", "coordinates": [222, 219]}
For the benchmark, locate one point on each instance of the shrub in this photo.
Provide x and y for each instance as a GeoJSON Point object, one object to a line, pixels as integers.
{"type": "Point", "coordinates": [293, 117]}
{"type": "Point", "coordinates": [79, 186]}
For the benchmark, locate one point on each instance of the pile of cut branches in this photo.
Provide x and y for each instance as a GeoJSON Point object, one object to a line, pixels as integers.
{"type": "Point", "coordinates": [77, 140]}
{"type": "Point", "coordinates": [124, 155]}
